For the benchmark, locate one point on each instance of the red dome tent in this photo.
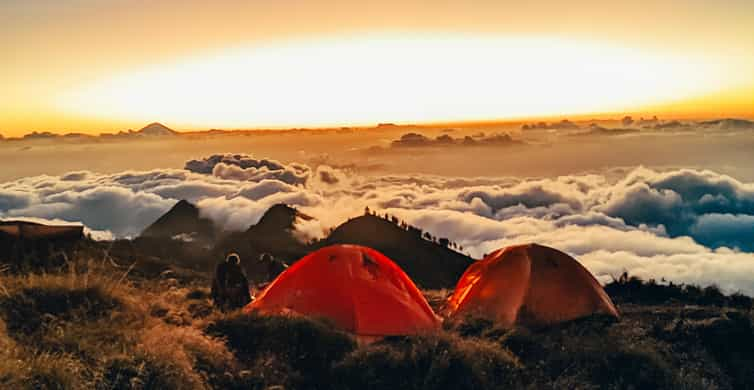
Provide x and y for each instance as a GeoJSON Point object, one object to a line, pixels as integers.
{"type": "Point", "coordinates": [530, 285]}
{"type": "Point", "coordinates": [358, 288]}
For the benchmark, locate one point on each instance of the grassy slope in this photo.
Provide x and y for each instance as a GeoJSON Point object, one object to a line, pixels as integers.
{"type": "Point", "coordinates": [94, 325]}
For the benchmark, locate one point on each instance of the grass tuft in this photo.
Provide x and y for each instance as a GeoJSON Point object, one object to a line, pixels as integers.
{"type": "Point", "coordinates": [306, 348]}
{"type": "Point", "coordinates": [440, 360]}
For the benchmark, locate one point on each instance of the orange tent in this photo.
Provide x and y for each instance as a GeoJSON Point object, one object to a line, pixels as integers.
{"type": "Point", "coordinates": [530, 285]}
{"type": "Point", "coordinates": [358, 288]}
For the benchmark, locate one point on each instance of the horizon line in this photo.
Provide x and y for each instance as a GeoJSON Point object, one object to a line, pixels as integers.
{"type": "Point", "coordinates": [610, 116]}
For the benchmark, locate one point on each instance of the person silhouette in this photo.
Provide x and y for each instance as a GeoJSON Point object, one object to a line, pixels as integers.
{"type": "Point", "coordinates": [230, 287]}
{"type": "Point", "coordinates": [271, 267]}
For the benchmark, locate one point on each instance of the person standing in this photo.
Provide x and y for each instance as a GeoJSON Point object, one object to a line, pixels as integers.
{"type": "Point", "coordinates": [230, 287]}
{"type": "Point", "coordinates": [271, 267]}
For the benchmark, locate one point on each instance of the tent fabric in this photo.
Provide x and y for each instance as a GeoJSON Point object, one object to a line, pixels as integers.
{"type": "Point", "coordinates": [359, 289]}
{"type": "Point", "coordinates": [529, 285]}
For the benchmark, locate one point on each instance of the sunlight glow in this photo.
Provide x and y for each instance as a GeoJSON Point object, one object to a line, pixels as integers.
{"type": "Point", "coordinates": [395, 79]}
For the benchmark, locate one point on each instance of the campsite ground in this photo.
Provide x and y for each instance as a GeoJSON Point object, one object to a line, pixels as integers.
{"type": "Point", "coordinates": [97, 325]}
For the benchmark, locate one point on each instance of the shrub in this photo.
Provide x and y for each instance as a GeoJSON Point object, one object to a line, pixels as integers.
{"type": "Point", "coordinates": [740, 301]}
{"type": "Point", "coordinates": [19, 370]}
{"type": "Point", "coordinates": [713, 296]}
{"type": "Point", "coordinates": [523, 344]}
{"type": "Point", "coordinates": [28, 309]}
{"type": "Point", "coordinates": [730, 340]}
{"type": "Point", "coordinates": [591, 351]}
{"type": "Point", "coordinates": [635, 367]}
{"type": "Point", "coordinates": [440, 360]}
{"type": "Point", "coordinates": [56, 371]}
{"type": "Point", "coordinates": [471, 326]}
{"type": "Point", "coordinates": [127, 372]}
{"type": "Point", "coordinates": [191, 356]}
{"type": "Point", "coordinates": [308, 346]}
{"type": "Point", "coordinates": [635, 290]}
{"type": "Point", "coordinates": [609, 365]}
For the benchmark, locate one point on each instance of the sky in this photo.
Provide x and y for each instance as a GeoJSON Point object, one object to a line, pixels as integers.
{"type": "Point", "coordinates": [107, 65]}
{"type": "Point", "coordinates": [661, 198]}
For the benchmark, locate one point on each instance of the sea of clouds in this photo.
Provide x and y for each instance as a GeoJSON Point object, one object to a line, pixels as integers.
{"type": "Point", "coordinates": [684, 225]}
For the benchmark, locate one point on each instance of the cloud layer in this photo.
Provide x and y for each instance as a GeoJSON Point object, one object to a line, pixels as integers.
{"type": "Point", "coordinates": [684, 225]}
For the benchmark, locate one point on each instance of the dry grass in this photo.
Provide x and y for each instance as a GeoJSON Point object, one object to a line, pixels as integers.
{"type": "Point", "coordinates": [195, 359]}
{"type": "Point", "coordinates": [90, 326]}
{"type": "Point", "coordinates": [95, 325]}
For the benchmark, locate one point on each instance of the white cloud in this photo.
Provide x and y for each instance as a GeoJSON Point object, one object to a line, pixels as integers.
{"type": "Point", "coordinates": [653, 224]}
{"type": "Point", "coordinates": [244, 167]}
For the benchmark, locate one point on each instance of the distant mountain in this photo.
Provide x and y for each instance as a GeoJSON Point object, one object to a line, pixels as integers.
{"type": "Point", "coordinates": [414, 140]}
{"type": "Point", "coordinates": [77, 136]}
{"type": "Point", "coordinates": [182, 222]}
{"type": "Point", "coordinates": [429, 264]}
{"type": "Point", "coordinates": [35, 135]}
{"type": "Point", "coordinates": [564, 124]}
{"type": "Point", "coordinates": [729, 124]}
{"type": "Point", "coordinates": [595, 130]}
{"type": "Point", "coordinates": [156, 129]}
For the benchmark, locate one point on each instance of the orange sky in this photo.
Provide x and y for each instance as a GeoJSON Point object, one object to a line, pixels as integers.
{"type": "Point", "coordinates": [105, 65]}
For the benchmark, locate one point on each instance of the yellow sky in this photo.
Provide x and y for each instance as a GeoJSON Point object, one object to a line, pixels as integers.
{"type": "Point", "coordinates": [105, 65]}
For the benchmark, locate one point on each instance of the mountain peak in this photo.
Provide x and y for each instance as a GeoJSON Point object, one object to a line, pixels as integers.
{"type": "Point", "coordinates": [156, 129]}
{"type": "Point", "coordinates": [275, 233]}
{"type": "Point", "coordinates": [184, 206]}
{"type": "Point", "coordinates": [281, 216]}
{"type": "Point", "coordinates": [182, 218]}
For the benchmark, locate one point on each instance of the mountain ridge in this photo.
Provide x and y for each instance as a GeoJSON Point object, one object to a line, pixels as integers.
{"type": "Point", "coordinates": [428, 260]}
{"type": "Point", "coordinates": [430, 264]}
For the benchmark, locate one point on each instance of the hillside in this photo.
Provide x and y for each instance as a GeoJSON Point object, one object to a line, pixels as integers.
{"type": "Point", "coordinates": [429, 264]}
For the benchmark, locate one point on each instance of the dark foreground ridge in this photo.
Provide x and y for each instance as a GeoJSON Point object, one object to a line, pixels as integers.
{"type": "Point", "coordinates": [103, 324]}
